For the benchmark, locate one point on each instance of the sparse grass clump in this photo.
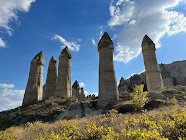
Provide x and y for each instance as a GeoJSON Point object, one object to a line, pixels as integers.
{"type": "Point", "coordinates": [163, 123]}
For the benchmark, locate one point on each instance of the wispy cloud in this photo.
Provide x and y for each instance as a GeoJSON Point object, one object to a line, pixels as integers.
{"type": "Point", "coordinates": [6, 85]}
{"type": "Point", "coordinates": [73, 46]}
{"type": "Point", "coordinates": [2, 43]}
{"type": "Point", "coordinates": [10, 98]}
{"type": "Point", "coordinates": [93, 42]}
{"type": "Point", "coordinates": [9, 10]}
{"type": "Point", "coordinates": [81, 84]}
{"type": "Point", "coordinates": [155, 18]}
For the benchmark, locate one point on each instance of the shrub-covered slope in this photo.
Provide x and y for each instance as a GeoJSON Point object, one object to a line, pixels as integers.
{"type": "Point", "coordinates": [163, 123]}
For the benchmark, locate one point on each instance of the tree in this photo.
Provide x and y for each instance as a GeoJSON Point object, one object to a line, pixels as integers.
{"type": "Point", "coordinates": [139, 97]}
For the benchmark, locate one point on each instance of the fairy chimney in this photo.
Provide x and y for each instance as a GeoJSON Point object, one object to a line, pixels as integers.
{"type": "Point", "coordinates": [63, 87]}
{"type": "Point", "coordinates": [34, 88]}
{"type": "Point", "coordinates": [108, 89]}
{"type": "Point", "coordinates": [153, 75]}
{"type": "Point", "coordinates": [50, 86]}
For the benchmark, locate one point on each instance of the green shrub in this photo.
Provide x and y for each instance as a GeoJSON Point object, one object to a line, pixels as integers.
{"type": "Point", "coordinates": [184, 94]}
{"type": "Point", "coordinates": [5, 123]}
{"type": "Point", "coordinates": [139, 97]}
{"type": "Point", "coordinates": [172, 101]}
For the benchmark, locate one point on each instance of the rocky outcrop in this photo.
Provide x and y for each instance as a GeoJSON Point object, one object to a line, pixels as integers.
{"type": "Point", "coordinates": [64, 87]}
{"type": "Point", "coordinates": [34, 88]}
{"type": "Point", "coordinates": [173, 74]}
{"type": "Point", "coordinates": [108, 90]}
{"type": "Point", "coordinates": [153, 76]}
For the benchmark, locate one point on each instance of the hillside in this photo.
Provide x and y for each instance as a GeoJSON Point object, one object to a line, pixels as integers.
{"type": "Point", "coordinates": [163, 123]}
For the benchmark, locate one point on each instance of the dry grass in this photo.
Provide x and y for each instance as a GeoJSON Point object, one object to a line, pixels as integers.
{"type": "Point", "coordinates": [163, 123]}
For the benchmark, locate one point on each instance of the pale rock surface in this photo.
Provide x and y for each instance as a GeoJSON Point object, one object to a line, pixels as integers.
{"type": "Point", "coordinates": [153, 75]}
{"type": "Point", "coordinates": [76, 91]}
{"type": "Point", "coordinates": [108, 89]}
{"type": "Point", "coordinates": [63, 86]}
{"type": "Point", "coordinates": [34, 88]}
{"type": "Point", "coordinates": [50, 86]}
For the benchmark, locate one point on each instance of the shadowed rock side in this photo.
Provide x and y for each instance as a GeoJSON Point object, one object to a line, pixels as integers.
{"type": "Point", "coordinates": [108, 90]}
{"type": "Point", "coordinates": [50, 86]}
{"type": "Point", "coordinates": [82, 95]}
{"type": "Point", "coordinates": [34, 88]}
{"type": "Point", "coordinates": [76, 91]}
{"type": "Point", "coordinates": [153, 75]}
{"type": "Point", "coordinates": [63, 87]}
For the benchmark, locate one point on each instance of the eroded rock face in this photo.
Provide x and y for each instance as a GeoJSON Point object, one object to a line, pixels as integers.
{"type": "Point", "coordinates": [34, 88]}
{"type": "Point", "coordinates": [64, 87]}
{"type": "Point", "coordinates": [50, 86]}
{"type": "Point", "coordinates": [123, 85]}
{"type": "Point", "coordinates": [153, 75]}
{"type": "Point", "coordinates": [108, 90]}
{"type": "Point", "coordinates": [173, 74]}
{"type": "Point", "coordinates": [76, 91]}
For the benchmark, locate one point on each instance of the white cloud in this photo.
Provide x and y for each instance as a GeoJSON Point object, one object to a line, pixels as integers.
{"type": "Point", "coordinates": [93, 42]}
{"type": "Point", "coordinates": [10, 98]}
{"type": "Point", "coordinates": [6, 86]}
{"type": "Point", "coordinates": [87, 93]}
{"type": "Point", "coordinates": [2, 43]}
{"type": "Point", "coordinates": [82, 84]}
{"type": "Point", "coordinates": [73, 46]}
{"type": "Point", "coordinates": [155, 18]}
{"type": "Point", "coordinates": [9, 10]}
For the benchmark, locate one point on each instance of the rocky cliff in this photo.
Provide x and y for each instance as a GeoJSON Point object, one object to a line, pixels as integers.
{"type": "Point", "coordinates": [173, 74]}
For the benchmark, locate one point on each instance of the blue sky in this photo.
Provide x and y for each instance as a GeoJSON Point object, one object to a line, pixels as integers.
{"type": "Point", "coordinates": [30, 26]}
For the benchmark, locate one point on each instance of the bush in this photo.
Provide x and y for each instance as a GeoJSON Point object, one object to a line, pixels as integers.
{"type": "Point", "coordinates": [172, 101]}
{"type": "Point", "coordinates": [5, 123]}
{"type": "Point", "coordinates": [184, 94]}
{"type": "Point", "coordinates": [139, 97]}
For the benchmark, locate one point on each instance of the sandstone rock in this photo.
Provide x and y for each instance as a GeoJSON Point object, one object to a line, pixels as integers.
{"type": "Point", "coordinates": [122, 85]}
{"type": "Point", "coordinates": [153, 75]}
{"type": "Point", "coordinates": [63, 86]}
{"type": "Point", "coordinates": [76, 91]}
{"type": "Point", "coordinates": [108, 90]}
{"type": "Point", "coordinates": [34, 88]}
{"type": "Point", "coordinates": [50, 86]}
{"type": "Point", "coordinates": [82, 96]}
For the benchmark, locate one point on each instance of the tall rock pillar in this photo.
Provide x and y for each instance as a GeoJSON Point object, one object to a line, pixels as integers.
{"type": "Point", "coordinates": [34, 88]}
{"type": "Point", "coordinates": [153, 75]}
{"type": "Point", "coordinates": [76, 90]}
{"type": "Point", "coordinates": [50, 86]}
{"type": "Point", "coordinates": [64, 87]}
{"type": "Point", "coordinates": [108, 89]}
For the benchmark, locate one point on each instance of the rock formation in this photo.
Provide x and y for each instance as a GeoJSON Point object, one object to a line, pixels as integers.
{"type": "Point", "coordinates": [50, 86]}
{"type": "Point", "coordinates": [173, 74]}
{"type": "Point", "coordinates": [108, 90]}
{"type": "Point", "coordinates": [34, 88]}
{"type": "Point", "coordinates": [82, 95]}
{"type": "Point", "coordinates": [122, 85]}
{"type": "Point", "coordinates": [153, 75]}
{"type": "Point", "coordinates": [63, 87]}
{"type": "Point", "coordinates": [76, 91]}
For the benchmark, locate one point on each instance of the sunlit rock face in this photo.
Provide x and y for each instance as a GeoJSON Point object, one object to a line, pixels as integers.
{"type": "Point", "coordinates": [34, 88]}
{"type": "Point", "coordinates": [108, 90]}
{"type": "Point", "coordinates": [153, 75]}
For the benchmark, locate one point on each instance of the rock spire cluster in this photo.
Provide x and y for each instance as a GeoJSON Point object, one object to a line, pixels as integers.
{"type": "Point", "coordinates": [59, 85]}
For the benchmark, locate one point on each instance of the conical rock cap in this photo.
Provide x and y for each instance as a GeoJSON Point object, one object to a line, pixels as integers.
{"type": "Point", "coordinates": [105, 41]}
{"type": "Point", "coordinates": [66, 52]}
{"type": "Point", "coordinates": [39, 59]}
